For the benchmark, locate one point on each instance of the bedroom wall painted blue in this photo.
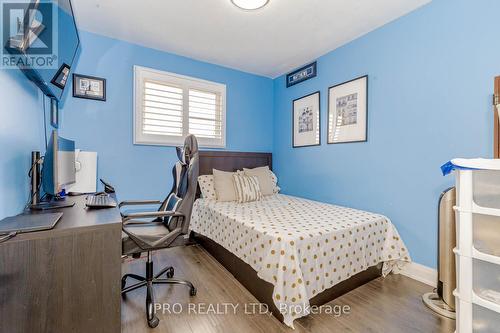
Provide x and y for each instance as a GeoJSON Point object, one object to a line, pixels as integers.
{"type": "Point", "coordinates": [430, 85]}
{"type": "Point", "coordinates": [21, 131]}
{"type": "Point", "coordinates": [431, 78]}
{"type": "Point", "coordinates": [106, 127]}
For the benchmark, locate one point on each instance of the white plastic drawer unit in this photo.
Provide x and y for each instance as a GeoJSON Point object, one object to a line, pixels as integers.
{"type": "Point", "coordinates": [486, 188]}
{"type": "Point", "coordinates": [486, 280]}
{"type": "Point", "coordinates": [478, 231]}
{"type": "Point", "coordinates": [478, 279]}
{"type": "Point", "coordinates": [486, 233]}
{"type": "Point", "coordinates": [485, 320]}
{"type": "Point", "coordinates": [475, 318]}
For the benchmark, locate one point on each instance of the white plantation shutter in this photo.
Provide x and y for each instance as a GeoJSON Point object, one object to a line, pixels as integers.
{"type": "Point", "coordinates": [205, 114]}
{"type": "Point", "coordinates": [169, 106]}
{"type": "Point", "coordinates": [163, 109]}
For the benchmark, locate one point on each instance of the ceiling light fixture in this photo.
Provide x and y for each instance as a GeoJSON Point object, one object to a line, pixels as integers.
{"type": "Point", "coordinates": [249, 4]}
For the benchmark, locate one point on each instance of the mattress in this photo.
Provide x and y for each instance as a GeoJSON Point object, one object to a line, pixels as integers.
{"type": "Point", "coordinates": [302, 247]}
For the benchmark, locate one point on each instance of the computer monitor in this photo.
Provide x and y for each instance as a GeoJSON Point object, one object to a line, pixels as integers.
{"type": "Point", "coordinates": [58, 168]}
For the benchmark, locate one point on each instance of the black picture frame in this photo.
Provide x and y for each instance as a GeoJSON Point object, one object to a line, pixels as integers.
{"type": "Point", "coordinates": [319, 120]}
{"type": "Point", "coordinates": [329, 110]}
{"type": "Point", "coordinates": [77, 93]}
{"type": "Point", "coordinates": [61, 82]}
{"type": "Point", "coordinates": [290, 81]}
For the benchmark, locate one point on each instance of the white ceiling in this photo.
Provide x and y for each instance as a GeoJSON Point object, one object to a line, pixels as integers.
{"type": "Point", "coordinates": [271, 41]}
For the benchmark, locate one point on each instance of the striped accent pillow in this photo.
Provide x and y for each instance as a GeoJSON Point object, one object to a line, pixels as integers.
{"type": "Point", "coordinates": [247, 188]}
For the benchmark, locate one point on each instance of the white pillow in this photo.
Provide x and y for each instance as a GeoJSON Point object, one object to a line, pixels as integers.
{"type": "Point", "coordinates": [207, 188]}
{"type": "Point", "coordinates": [247, 188]}
{"type": "Point", "coordinates": [276, 188]}
{"type": "Point", "coordinates": [224, 185]}
{"type": "Point", "coordinates": [264, 177]}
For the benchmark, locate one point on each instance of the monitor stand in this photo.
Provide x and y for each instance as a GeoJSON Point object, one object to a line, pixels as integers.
{"type": "Point", "coordinates": [53, 204]}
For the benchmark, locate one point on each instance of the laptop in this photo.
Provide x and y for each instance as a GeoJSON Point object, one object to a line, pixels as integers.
{"type": "Point", "coordinates": [29, 223]}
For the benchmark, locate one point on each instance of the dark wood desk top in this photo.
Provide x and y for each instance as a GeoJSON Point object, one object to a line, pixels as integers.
{"type": "Point", "coordinates": [75, 219]}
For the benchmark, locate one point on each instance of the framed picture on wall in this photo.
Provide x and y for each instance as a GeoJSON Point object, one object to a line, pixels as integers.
{"type": "Point", "coordinates": [61, 77]}
{"type": "Point", "coordinates": [302, 74]}
{"type": "Point", "coordinates": [348, 111]}
{"type": "Point", "coordinates": [89, 87]}
{"type": "Point", "coordinates": [306, 121]}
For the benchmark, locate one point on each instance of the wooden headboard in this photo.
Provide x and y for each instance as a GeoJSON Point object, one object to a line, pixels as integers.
{"type": "Point", "coordinates": [232, 161]}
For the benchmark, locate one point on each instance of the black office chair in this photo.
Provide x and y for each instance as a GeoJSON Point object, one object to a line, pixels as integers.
{"type": "Point", "coordinates": [166, 227]}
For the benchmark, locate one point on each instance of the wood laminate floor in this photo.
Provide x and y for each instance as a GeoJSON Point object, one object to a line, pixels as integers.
{"type": "Point", "coordinates": [392, 304]}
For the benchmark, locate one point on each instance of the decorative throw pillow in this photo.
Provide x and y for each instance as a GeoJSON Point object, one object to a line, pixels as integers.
{"type": "Point", "coordinates": [207, 187]}
{"type": "Point", "coordinates": [247, 188]}
{"type": "Point", "coordinates": [274, 179]}
{"type": "Point", "coordinates": [265, 181]}
{"type": "Point", "coordinates": [224, 185]}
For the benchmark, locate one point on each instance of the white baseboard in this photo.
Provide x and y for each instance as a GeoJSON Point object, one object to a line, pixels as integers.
{"type": "Point", "coordinates": [420, 273]}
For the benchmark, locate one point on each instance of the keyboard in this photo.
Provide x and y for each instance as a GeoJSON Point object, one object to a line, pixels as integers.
{"type": "Point", "coordinates": [100, 201]}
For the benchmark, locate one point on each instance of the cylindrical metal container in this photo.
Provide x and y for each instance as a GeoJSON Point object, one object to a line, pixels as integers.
{"type": "Point", "coordinates": [447, 242]}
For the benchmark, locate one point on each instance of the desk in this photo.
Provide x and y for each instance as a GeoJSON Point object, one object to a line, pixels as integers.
{"type": "Point", "coordinates": [66, 279]}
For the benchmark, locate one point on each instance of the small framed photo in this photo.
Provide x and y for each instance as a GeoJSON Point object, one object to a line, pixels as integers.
{"type": "Point", "coordinates": [348, 111]}
{"type": "Point", "coordinates": [89, 87]}
{"type": "Point", "coordinates": [302, 74]}
{"type": "Point", "coordinates": [306, 121]}
{"type": "Point", "coordinates": [61, 77]}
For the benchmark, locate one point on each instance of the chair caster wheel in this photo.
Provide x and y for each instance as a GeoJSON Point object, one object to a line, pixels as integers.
{"type": "Point", "coordinates": [192, 292]}
{"type": "Point", "coordinates": [170, 273]}
{"type": "Point", "coordinates": [153, 322]}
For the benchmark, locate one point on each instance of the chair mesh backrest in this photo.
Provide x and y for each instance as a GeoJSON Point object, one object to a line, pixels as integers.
{"type": "Point", "coordinates": [185, 182]}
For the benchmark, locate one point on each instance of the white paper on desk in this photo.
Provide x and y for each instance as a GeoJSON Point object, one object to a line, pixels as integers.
{"type": "Point", "coordinates": [86, 172]}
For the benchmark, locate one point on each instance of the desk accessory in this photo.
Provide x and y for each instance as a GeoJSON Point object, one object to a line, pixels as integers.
{"type": "Point", "coordinates": [29, 223]}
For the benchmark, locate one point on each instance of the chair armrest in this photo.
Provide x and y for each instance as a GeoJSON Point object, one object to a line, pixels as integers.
{"type": "Point", "coordinates": [141, 215]}
{"type": "Point", "coordinates": [139, 202]}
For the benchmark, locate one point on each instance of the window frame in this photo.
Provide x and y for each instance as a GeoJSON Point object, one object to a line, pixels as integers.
{"type": "Point", "coordinates": [185, 83]}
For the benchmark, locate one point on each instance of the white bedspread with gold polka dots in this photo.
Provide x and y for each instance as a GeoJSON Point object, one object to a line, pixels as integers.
{"type": "Point", "coordinates": [300, 246]}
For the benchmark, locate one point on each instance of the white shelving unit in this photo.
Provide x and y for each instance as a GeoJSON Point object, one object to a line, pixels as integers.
{"type": "Point", "coordinates": [478, 247]}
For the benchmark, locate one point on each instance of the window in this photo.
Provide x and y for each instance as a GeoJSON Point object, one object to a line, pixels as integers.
{"type": "Point", "coordinates": [169, 106]}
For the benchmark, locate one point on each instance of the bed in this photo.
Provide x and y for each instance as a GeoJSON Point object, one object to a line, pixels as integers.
{"type": "Point", "coordinates": [293, 253]}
